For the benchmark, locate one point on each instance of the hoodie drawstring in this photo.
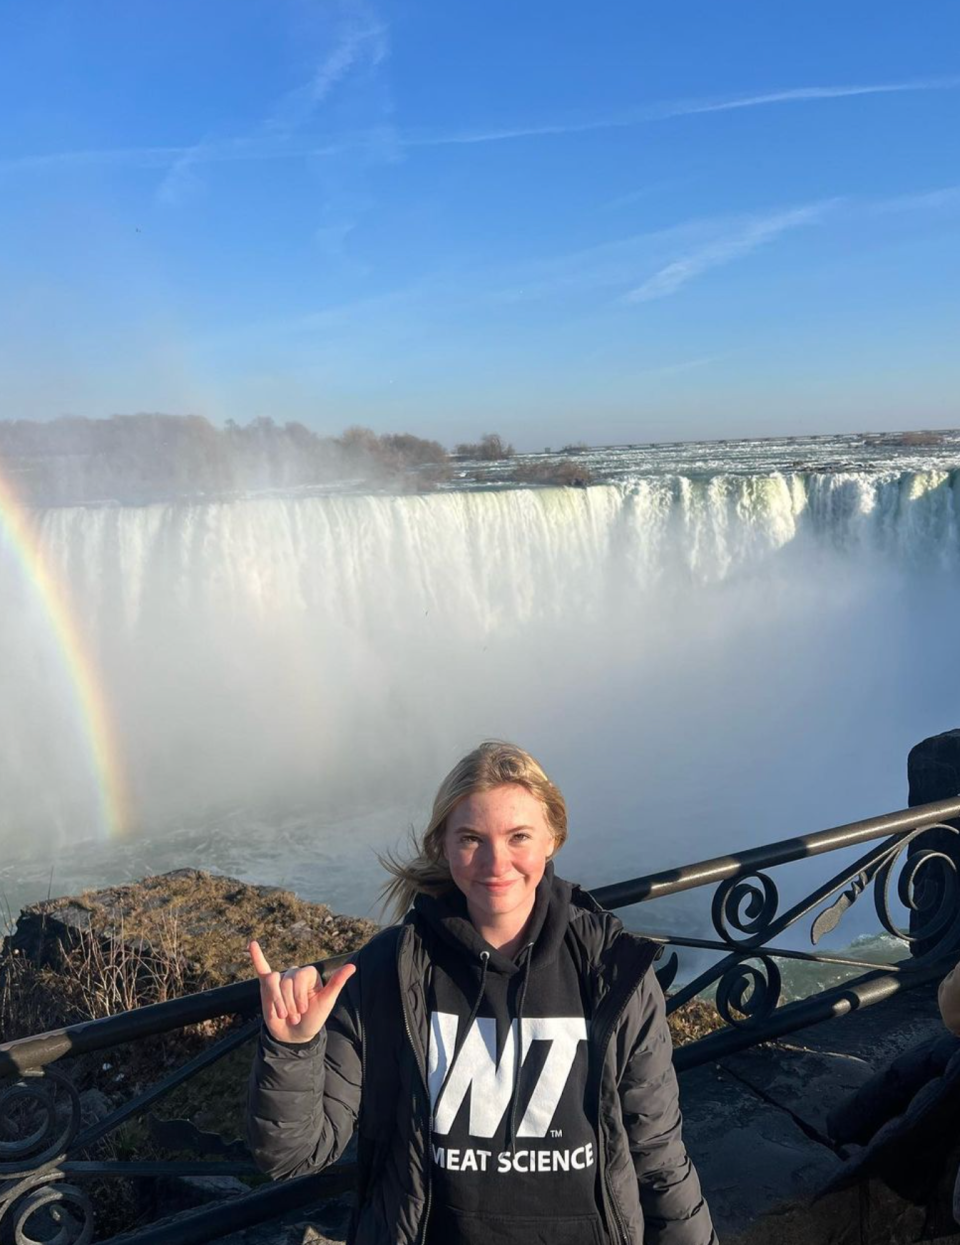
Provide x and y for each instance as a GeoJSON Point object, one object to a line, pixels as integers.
{"type": "Point", "coordinates": [527, 955]}
{"type": "Point", "coordinates": [462, 1034]}
{"type": "Point", "coordinates": [518, 1048]}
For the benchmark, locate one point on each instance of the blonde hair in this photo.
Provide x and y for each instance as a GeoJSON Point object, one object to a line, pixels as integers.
{"type": "Point", "coordinates": [494, 764]}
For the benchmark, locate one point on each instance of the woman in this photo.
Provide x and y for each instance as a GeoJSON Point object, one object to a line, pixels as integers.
{"type": "Point", "coordinates": [509, 1040]}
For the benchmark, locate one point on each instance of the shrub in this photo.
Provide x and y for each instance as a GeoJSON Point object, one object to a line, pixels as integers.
{"type": "Point", "coordinates": [490, 448]}
{"type": "Point", "coordinates": [921, 437]}
{"type": "Point", "coordinates": [413, 451]}
{"type": "Point", "coordinates": [564, 473]}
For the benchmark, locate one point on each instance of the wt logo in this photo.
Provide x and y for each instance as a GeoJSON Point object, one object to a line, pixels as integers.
{"type": "Point", "coordinates": [489, 1082]}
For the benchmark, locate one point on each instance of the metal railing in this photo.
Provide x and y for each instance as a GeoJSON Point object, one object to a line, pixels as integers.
{"type": "Point", "coordinates": [746, 917]}
{"type": "Point", "coordinates": [40, 1170]}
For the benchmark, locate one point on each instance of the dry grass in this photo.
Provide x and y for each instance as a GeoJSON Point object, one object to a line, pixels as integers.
{"type": "Point", "coordinates": [215, 918]}
{"type": "Point", "coordinates": [128, 946]}
{"type": "Point", "coordinates": [165, 937]}
{"type": "Point", "coordinates": [109, 951]}
{"type": "Point", "coordinates": [112, 950]}
{"type": "Point", "coordinates": [694, 1020]}
{"type": "Point", "coordinates": [90, 977]}
{"type": "Point", "coordinates": [120, 972]}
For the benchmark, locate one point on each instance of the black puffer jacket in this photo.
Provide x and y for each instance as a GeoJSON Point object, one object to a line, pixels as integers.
{"type": "Point", "coordinates": [306, 1100]}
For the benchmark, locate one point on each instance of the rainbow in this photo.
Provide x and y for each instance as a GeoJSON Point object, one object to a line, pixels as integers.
{"type": "Point", "coordinates": [18, 532]}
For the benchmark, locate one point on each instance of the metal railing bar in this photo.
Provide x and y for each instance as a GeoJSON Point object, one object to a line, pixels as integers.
{"type": "Point", "coordinates": [23, 1054]}
{"type": "Point", "coordinates": [200, 1062]}
{"type": "Point", "coordinates": [719, 868]}
{"type": "Point", "coordinates": [777, 953]}
{"type": "Point", "coordinates": [245, 1211]}
{"type": "Point", "coordinates": [156, 1167]}
{"type": "Point", "coordinates": [866, 991]}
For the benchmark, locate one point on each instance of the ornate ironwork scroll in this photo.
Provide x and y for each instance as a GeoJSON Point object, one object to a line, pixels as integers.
{"type": "Point", "coordinates": [39, 1118]}
{"type": "Point", "coordinates": [749, 991]}
{"type": "Point", "coordinates": [746, 917]}
{"type": "Point", "coordinates": [928, 887]}
{"type": "Point", "coordinates": [60, 1212]}
{"type": "Point", "coordinates": [40, 1137]}
{"type": "Point", "coordinates": [747, 905]}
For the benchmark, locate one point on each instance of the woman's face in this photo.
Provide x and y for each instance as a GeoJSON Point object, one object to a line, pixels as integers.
{"type": "Point", "coordinates": [497, 844]}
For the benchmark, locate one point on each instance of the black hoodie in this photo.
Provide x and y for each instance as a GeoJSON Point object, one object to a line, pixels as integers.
{"type": "Point", "coordinates": [513, 1145]}
{"type": "Point", "coordinates": [367, 1069]}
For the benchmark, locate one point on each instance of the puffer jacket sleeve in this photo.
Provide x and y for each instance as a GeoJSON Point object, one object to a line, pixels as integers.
{"type": "Point", "coordinates": [303, 1099]}
{"type": "Point", "coordinates": [949, 999]}
{"type": "Point", "coordinates": [674, 1209]}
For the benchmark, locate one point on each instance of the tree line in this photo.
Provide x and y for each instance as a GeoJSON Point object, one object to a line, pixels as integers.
{"type": "Point", "coordinates": [141, 458]}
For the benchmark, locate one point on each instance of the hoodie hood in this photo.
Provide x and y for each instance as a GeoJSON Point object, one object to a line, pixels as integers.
{"type": "Point", "coordinates": [447, 918]}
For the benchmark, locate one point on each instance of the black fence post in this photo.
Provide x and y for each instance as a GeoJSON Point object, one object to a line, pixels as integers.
{"type": "Point", "coordinates": [933, 773]}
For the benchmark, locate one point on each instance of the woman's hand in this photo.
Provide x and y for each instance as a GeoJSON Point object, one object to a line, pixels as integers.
{"type": "Point", "coordinates": [296, 1005]}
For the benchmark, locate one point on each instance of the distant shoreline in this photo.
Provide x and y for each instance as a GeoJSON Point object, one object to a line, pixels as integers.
{"type": "Point", "coordinates": [154, 460]}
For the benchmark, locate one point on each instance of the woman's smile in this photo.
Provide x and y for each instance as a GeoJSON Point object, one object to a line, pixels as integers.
{"type": "Point", "coordinates": [497, 844]}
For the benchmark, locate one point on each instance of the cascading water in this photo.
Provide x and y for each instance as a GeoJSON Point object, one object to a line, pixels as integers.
{"type": "Point", "coordinates": [702, 661]}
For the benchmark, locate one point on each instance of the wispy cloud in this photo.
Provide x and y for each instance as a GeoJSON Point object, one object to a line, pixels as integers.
{"type": "Point", "coordinates": [672, 256]}
{"type": "Point", "coordinates": [127, 157]}
{"type": "Point", "coordinates": [736, 244]}
{"type": "Point", "coordinates": [359, 45]}
{"type": "Point", "coordinates": [646, 266]}
{"type": "Point", "coordinates": [226, 152]}
{"type": "Point", "coordinates": [181, 179]}
{"type": "Point", "coordinates": [946, 197]}
{"type": "Point", "coordinates": [677, 108]}
{"type": "Point", "coordinates": [362, 43]}
{"type": "Point", "coordinates": [644, 192]}
{"type": "Point", "coordinates": [804, 94]}
{"type": "Point", "coordinates": [365, 45]}
{"type": "Point", "coordinates": [601, 277]}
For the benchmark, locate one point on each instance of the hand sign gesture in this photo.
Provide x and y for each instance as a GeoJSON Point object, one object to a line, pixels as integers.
{"type": "Point", "coordinates": [297, 1004]}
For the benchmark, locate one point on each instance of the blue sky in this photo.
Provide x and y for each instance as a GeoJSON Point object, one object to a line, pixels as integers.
{"type": "Point", "coordinates": [613, 222]}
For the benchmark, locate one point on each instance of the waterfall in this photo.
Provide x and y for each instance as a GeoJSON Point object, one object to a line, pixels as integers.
{"type": "Point", "coordinates": [682, 646]}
